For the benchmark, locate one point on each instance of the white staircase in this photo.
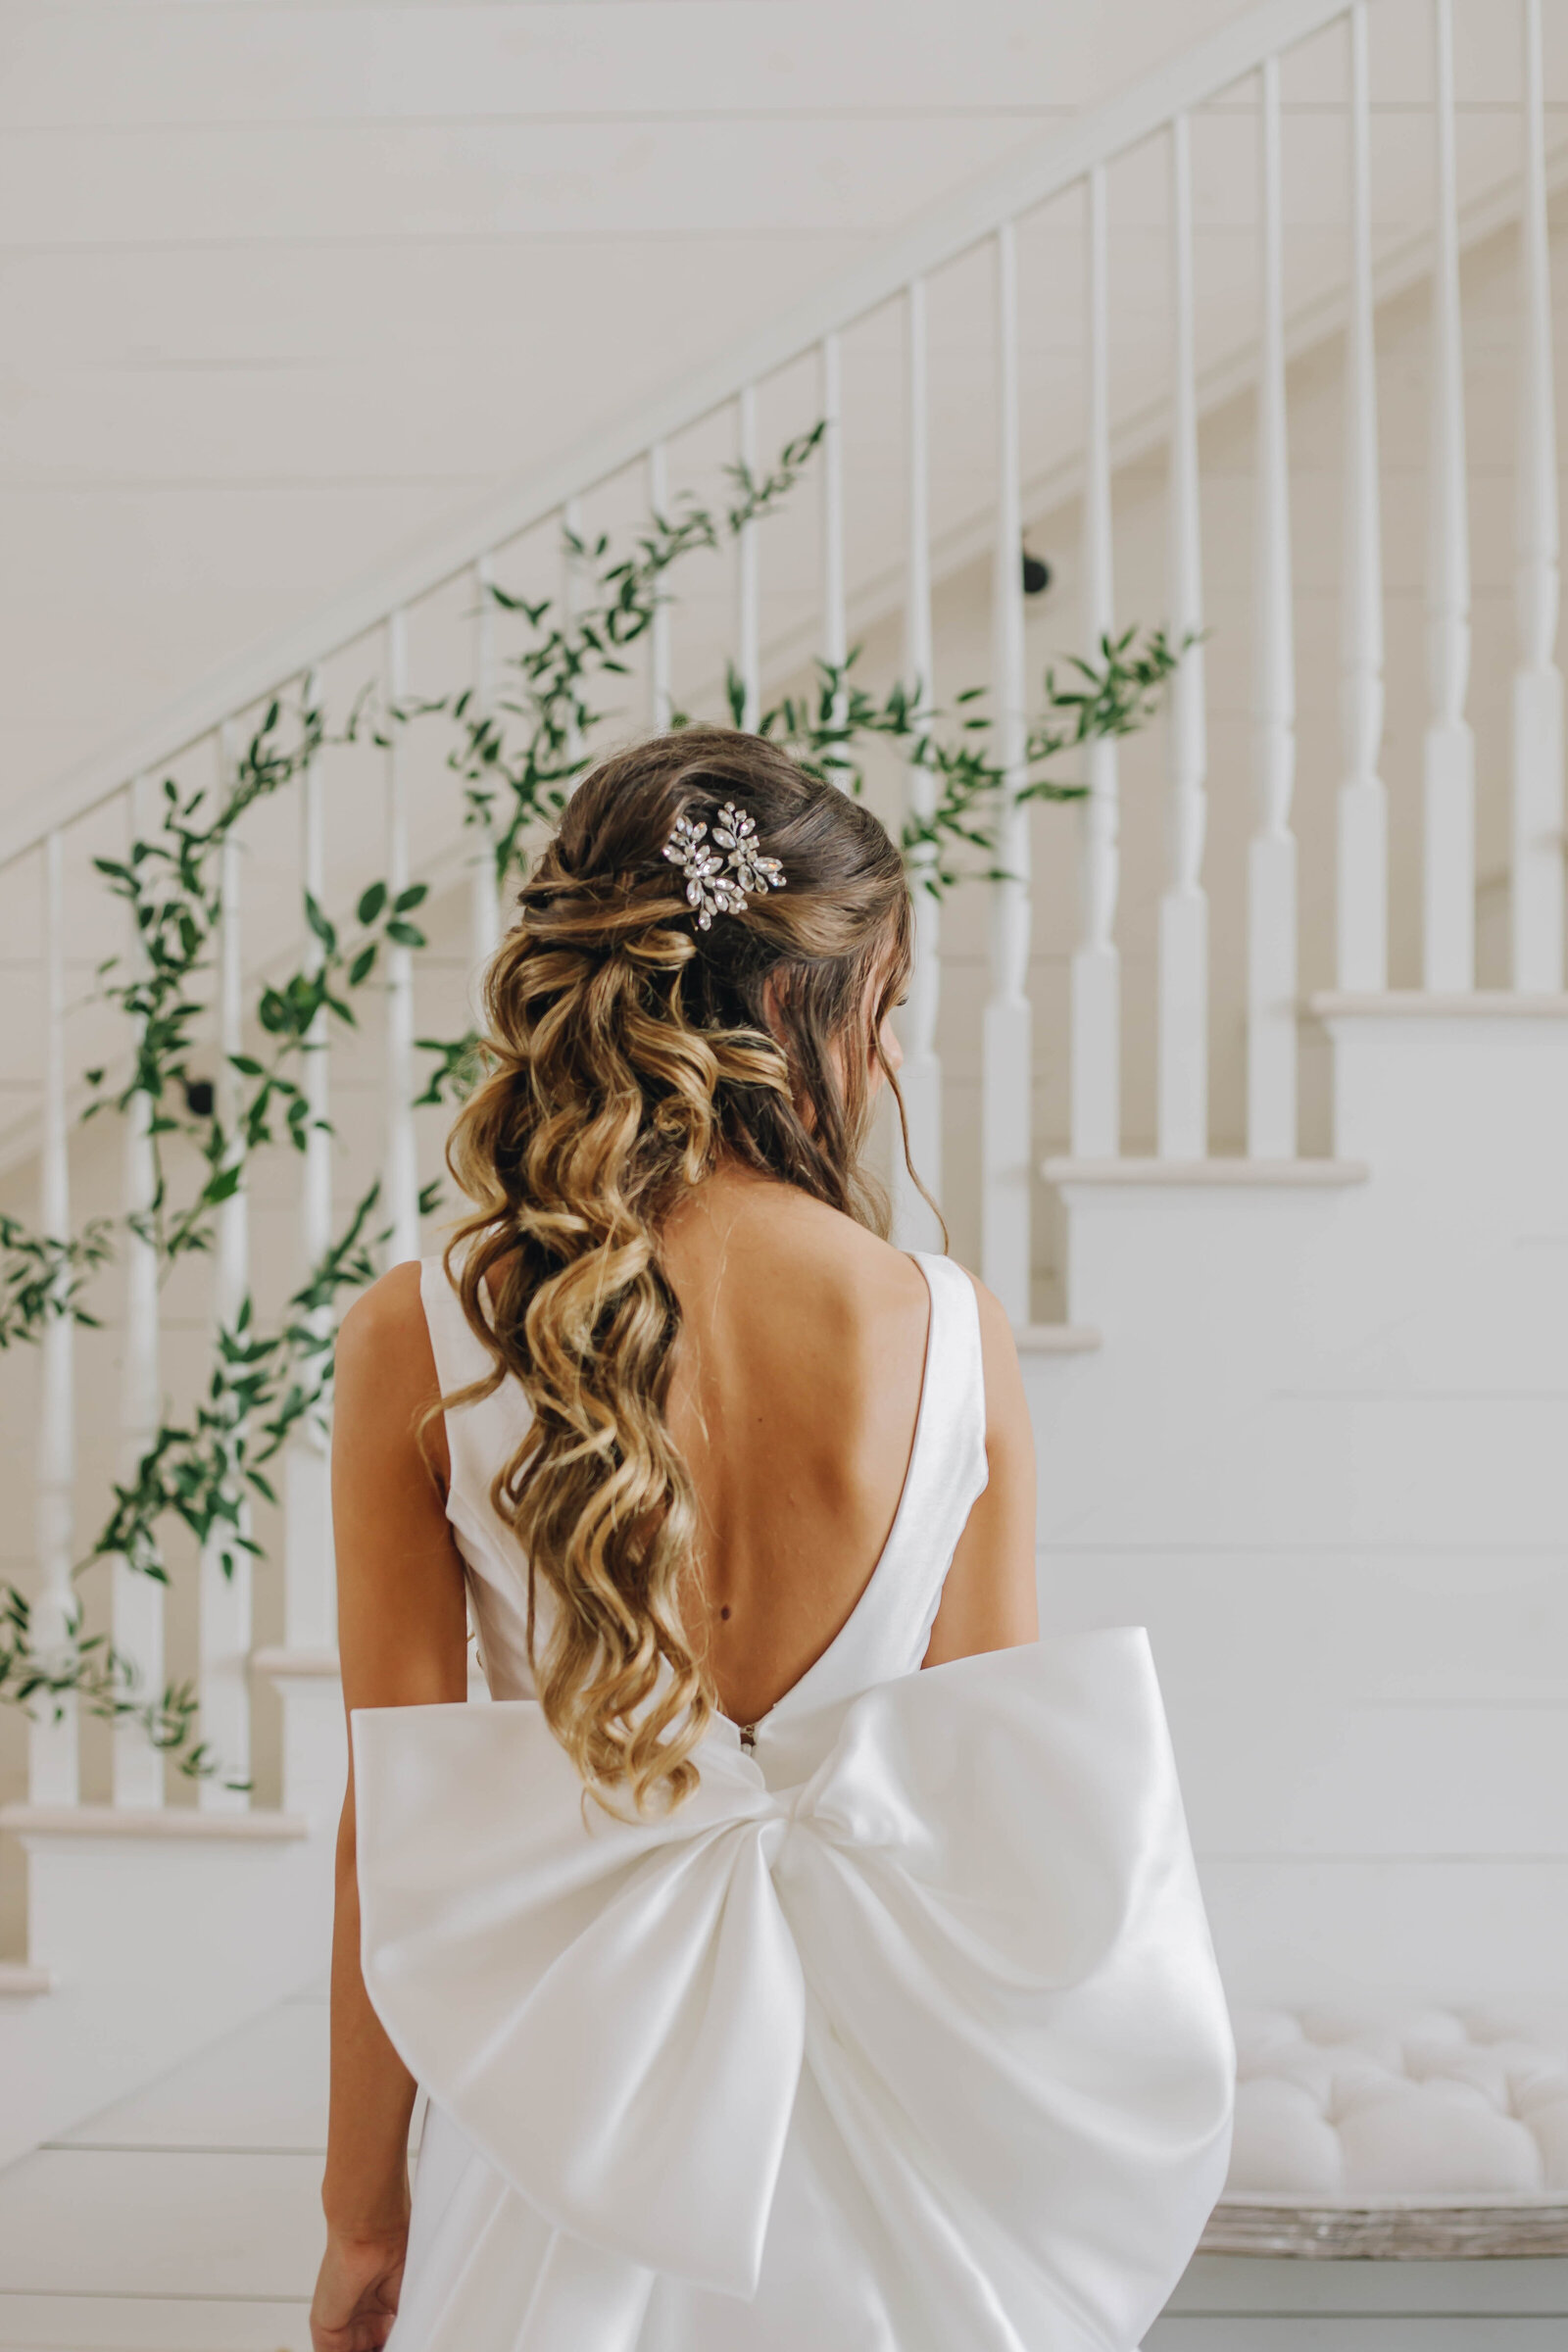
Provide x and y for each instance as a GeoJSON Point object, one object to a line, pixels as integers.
{"type": "Point", "coordinates": [1287, 1266]}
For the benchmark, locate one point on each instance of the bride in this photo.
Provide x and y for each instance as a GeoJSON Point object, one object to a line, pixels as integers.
{"type": "Point", "coordinates": [771, 1995]}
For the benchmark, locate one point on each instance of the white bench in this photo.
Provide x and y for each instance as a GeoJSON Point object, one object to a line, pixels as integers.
{"type": "Point", "coordinates": [1398, 2184]}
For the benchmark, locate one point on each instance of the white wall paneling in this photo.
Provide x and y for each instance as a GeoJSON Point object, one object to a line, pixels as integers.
{"type": "Point", "coordinates": [1006, 1044]}
{"type": "Point", "coordinates": [1448, 959]}
{"type": "Point", "coordinates": [1183, 978]}
{"type": "Point", "coordinates": [1364, 811]}
{"type": "Point", "coordinates": [1538, 729]}
{"type": "Point", "coordinates": [1271, 880]}
{"type": "Point", "coordinates": [224, 1584]}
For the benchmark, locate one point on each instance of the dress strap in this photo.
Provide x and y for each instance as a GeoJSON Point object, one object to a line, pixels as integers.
{"type": "Point", "coordinates": [480, 1436]}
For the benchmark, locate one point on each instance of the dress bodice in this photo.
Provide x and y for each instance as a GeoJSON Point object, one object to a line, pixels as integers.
{"type": "Point", "coordinates": [887, 1631]}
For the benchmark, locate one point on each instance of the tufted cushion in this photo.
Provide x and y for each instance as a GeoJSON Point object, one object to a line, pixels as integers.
{"type": "Point", "coordinates": [1421, 2106]}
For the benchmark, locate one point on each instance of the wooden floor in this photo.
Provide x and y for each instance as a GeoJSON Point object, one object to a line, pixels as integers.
{"type": "Point", "coordinates": [186, 2219]}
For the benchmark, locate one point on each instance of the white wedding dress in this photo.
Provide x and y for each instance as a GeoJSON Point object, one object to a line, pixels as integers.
{"type": "Point", "coordinates": [902, 2035]}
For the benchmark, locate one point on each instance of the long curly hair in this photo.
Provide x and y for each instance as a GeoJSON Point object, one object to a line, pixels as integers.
{"type": "Point", "coordinates": [628, 1050]}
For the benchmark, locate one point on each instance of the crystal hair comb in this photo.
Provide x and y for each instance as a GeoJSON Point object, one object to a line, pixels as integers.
{"type": "Point", "coordinates": [719, 875]}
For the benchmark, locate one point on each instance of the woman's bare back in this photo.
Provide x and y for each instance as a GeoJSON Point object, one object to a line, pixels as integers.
{"type": "Point", "coordinates": [796, 1395]}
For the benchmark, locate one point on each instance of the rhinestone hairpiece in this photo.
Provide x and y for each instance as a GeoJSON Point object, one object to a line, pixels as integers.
{"type": "Point", "coordinates": [718, 874]}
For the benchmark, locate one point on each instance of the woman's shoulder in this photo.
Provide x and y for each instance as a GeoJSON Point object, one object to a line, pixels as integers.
{"type": "Point", "coordinates": [388, 1317]}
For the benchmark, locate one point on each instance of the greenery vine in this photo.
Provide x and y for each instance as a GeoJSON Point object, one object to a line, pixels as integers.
{"type": "Point", "coordinates": [518, 759]}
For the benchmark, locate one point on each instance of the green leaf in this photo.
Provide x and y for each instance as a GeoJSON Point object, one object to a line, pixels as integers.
{"type": "Point", "coordinates": [414, 896]}
{"type": "Point", "coordinates": [371, 903]}
{"type": "Point", "coordinates": [405, 934]}
{"type": "Point", "coordinates": [363, 966]}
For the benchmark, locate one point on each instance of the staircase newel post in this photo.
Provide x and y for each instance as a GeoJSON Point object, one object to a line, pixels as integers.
{"type": "Point", "coordinates": [920, 1079]}
{"type": "Point", "coordinates": [1007, 1045]}
{"type": "Point", "coordinates": [661, 700]}
{"type": "Point", "coordinates": [1363, 815]}
{"type": "Point", "coordinates": [1271, 958]}
{"type": "Point", "coordinates": [1184, 908]}
{"type": "Point", "coordinates": [835, 617]}
{"type": "Point", "coordinates": [1448, 791]}
{"type": "Point", "coordinates": [1537, 696]}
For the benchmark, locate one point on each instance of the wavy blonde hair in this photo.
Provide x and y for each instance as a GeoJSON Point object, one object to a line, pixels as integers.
{"type": "Point", "coordinates": [628, 1050]}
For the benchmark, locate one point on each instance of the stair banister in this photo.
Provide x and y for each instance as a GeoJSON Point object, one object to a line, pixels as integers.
{"type": "Point", "coordinates": [661, 697]}
{"type": "Point", "coordinates": [1449, 785]}
{"type": "Point", "coordinates": [137, 1601]}
{"type": "Point", "coordinates": [1182, 1042]}
{"type": "Point", "coordinates": [1363, 812]}
{"type": "Point", "coordinates": [748, 577]}
{"type": "Point", "coordinates": [1006, 1038]}
{"type": "Point", "coordinates": [1271, 882]}
{"type": "Point", "coordinates": [922, 1076]}
{"type": "Point", "coordinates": [1095, 1048]}
{"type": "Point", "coordinates": [224, 1578]}
{"type": "Point", "coordinates": [1538, 698]}
{"type": "Point", "coordinates": [307, 1569]}
{"type": "Point", "coordinates": [830, 404]}
{"type": "Point", "coordinates": [485, 908]}
{"type": "Point", "coordinates": [400, 1183]}
{"type": "Point", "coordinates": [53, 1774]}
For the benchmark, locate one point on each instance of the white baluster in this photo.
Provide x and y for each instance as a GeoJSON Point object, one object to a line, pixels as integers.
{"type": "Point", "coordinates": [835, 625]}
{"type": "Point", "coordinates": [401, 1185]}
{"type": "Point", "coordinates": [307, 1568]}
{"type": "Point", "coordinates": [1095, 963]}
{"type": "Point", "coordinates": [1537, 719]}
{"type": "Point", "coordinates": [1363, 812]}
{"type": "Point", "coordinates": [484, 897]}
{"type": "Point", "coordinates": [661, 703]}
{"type": "Point", "coordinates": [1184, 908]}
{"type": "Point", "coordinates": [1271, 960]}
{"type": "Point", "coordinates": [1007, 1093]}
{"type": "Point", "coordinates": [224, 1595]}
{"type": "Point", "coordinates": [1449, 779]}
{"type": "Point", "coordinates": [572, 596]}
{"type": "Point", "coordinates": [136, 1602]}
{"type": "Point", "coordinates": [53, 1777]}
{"type": "Point", "coordinates": [920, 1080]}
{"type": "Point", "coordinates": [748, 584]}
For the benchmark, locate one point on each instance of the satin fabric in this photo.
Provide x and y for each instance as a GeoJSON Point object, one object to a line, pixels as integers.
{"type": "Point", "coordinates": [904, 2034]}
{"type": "Point", "coordinates": [975, 1926]}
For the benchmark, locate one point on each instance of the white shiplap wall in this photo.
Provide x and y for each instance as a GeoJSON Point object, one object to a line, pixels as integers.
{"type": "Point", "coordinates": [284, 284]}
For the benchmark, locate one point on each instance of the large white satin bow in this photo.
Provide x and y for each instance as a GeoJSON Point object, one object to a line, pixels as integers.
{"type": "Point", "coordinates": [975, 1919]}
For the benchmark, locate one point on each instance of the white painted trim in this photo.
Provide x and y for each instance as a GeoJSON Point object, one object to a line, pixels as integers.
{"type": "Point", "coordinates": [1269, 1174]}
{"type": "Point", "coordinates": [1038, 172]}
{"type": "Point", "coordinates": [116, 1822]}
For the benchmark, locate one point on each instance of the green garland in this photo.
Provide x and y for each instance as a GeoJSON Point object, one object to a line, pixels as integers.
{"type": "Point", "coordinates": [519, 759]}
